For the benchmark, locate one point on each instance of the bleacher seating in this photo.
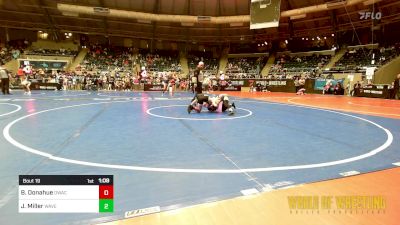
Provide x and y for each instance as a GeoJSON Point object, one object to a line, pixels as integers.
{"type": "Point", "coordinates": [356, 59]}
{"type": "Point", "coordinates": [108, 58]}
{"type": "Point", "coordinates": [299, 64]}
{"type": "Point", "coordinates": [52, 52]}
{"type": "Point", "coordinates": [159, 61]}
{"type": "Point", "coordinates": [12, 50]}
{"type": "Point", "coordinates": [211, 64]}
{"type": "Point", "coordinates": [245, 67]}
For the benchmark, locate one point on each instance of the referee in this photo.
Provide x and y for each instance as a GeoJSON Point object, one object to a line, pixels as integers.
{"type": "Point", "coordinates": [5, 81]}
{"type": "Point", "coordinates": [198, 74]}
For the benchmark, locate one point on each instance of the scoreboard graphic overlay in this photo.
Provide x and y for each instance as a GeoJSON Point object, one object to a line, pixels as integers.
{"type": "Point", "coordinates": [66, 194]}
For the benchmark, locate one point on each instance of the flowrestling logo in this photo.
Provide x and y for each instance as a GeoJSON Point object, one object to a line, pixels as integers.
{"type": "Point", "coordinates": [370, 15]}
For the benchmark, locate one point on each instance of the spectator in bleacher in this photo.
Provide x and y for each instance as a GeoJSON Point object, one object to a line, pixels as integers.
{"type": "Point", "coordinates": [221, 75]}
{"type": "Point", "coordinates": [15, 53]}
{"type": "Point", "coordinates": [3, 51]}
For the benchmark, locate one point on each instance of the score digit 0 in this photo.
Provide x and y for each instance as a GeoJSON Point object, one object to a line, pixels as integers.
{"type": "Point", "coordinates": [106, 192]}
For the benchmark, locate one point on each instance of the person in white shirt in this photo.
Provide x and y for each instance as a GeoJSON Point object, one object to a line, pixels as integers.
{"type": "Point", "coordinates": [206, 84]}
{"type": "Point", "coordinates": [221, 75]}
{"type": "Point", "coordinates": [27, 70]}
{"type": "Point", "coordinates": [143, 73]}
{"type": "Point", "coordinates": [26, 83]}
{"type": "Point", "coordinates": [222, 82]}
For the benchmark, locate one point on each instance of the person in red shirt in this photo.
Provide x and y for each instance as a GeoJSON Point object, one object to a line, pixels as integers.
{"type": "Point", "coordinates": [20, 71]}
{"type": "Point", "coordinates": [172, 82]}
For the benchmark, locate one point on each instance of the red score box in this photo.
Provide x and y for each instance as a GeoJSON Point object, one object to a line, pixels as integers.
{"type": "Point", "coordinates": [106, 192]}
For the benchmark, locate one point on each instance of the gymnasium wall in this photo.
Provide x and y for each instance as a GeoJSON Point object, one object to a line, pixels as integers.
{"type": "Point", "coordinates": [387, 73]}
{"type": "Point", "coordinates": [48, 44]}
{"type": "Point", "coordinates": [357, 77]}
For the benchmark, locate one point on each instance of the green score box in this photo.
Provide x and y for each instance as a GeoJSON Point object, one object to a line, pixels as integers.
{"type": "Point", "coordinates": [106, 205]}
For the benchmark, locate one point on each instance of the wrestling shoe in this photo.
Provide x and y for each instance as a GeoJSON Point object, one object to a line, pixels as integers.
{"type": "Point", "coordinates": [233, 105]}
{"type": "Point", "coordinates": [231, 111]}
{"type": "Point", "coordinates": [189, 109]}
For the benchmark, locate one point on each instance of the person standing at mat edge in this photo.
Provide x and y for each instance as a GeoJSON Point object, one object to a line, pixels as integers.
{"type": "Point", "coordinates": [198, 74]}
{"type": "Point", "coordinates": [5, 81]}
{"type": "Point", "coordinates": [396, 87]}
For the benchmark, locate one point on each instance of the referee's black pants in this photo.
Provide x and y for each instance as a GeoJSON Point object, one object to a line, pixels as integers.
{"type": "Point", "coordinates": [5, 85]}
{"type": "Point", "coordinates": [199, 88]}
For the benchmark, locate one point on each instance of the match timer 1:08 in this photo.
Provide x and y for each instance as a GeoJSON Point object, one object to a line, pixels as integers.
{"type": "Point", "coordinates": [104, 180]}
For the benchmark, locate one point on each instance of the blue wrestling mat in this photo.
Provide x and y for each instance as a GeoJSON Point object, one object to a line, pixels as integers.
{"type": "Point", "coordinates": [162, 156]}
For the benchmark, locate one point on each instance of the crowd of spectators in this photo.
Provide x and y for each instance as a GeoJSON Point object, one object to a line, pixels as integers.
{"type": "Point", "coordinates": [118, 81]}
{"type": "Point", "coordinates": [159, 61]}
{"type": "Point", "coordinates": [211, 63]}
{"type": "Point", "coordinates": [288, 67]}
{"type": "Point", "coordinates": [299, 64]}
{"type": "Point", "coordinates": [107, 58]}
{"type": "Point", "coordinates": [12, 50]}
{"type": "Point", "coordinates": [245, 67]}
{"type": "Point", "coordinates": [114, 68]}
{"type": "Point", "coordinates": [357, 59]}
